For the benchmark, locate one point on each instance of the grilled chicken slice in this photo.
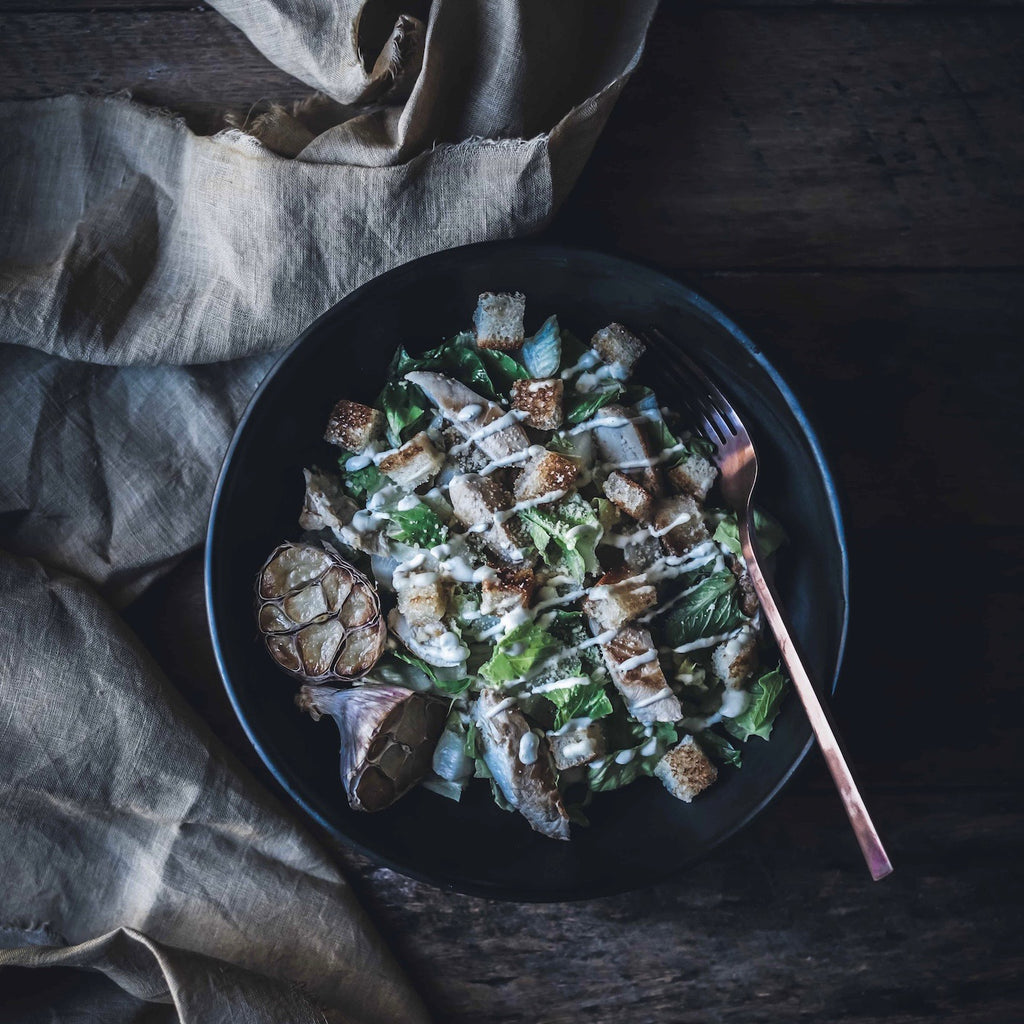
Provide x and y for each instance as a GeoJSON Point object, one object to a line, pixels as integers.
{"type": "Point", "coordinates": [472, 415]}
{"type": "Point", "coordinates": [624, 447]}
{"type": "Point", "coordinates": [476, 500]}
{"type": "Point", "coordinates": [632, 661]}
{"type": "Point", "coordinates": [530, 787]}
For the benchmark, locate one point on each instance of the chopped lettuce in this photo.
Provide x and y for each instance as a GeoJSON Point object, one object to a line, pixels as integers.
{"type": "Point", "coordinates": [770, 535]}
{"type": "Point", "coordinates": [719, 748]}
{"type": "Point", "coordinates": [571, 629]}
{"type": "Point", "coordinates": [518, 652]}
{"type": "Point", "coordinates": [766, 696]}
{"type": "Point", "coordinates": [582, 700]}
{"type": "Point", "coordinates": [566, 535]}
{"type": "Point", "coordinates": [449, 686]}
{"type": "Point", "coordinates": [406, 409]}
{"type": "Point", "coordinates": [579, 407]}
{"type": "Point", "coordinates": [361, 482]}
{"type": "Point", "coordinates": [543, 352]}
{"type": "Point", "coordinates": [503, 371]}
{"type": "Point", "coordinates": [420, 527]}
{"type": "Point", "coordinates": [610, 773]}
{"type": "Point", "coordinates": [712, 608]}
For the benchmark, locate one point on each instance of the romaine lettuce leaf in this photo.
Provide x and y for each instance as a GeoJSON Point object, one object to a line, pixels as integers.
{"type": "Point", "coordinates": [719, 748]}
{"type": "Point", "coordinates": [584, 700]}
{"type": "Point", "coordinates": [608, 773]}
{"type": "Point", "coordinates": [519, 651]}
{"type": "Point", "coordinates": [406, 409]}
{"type": "Point", "coordinates": [770, 534]}
{"type": "Point", "coordinates": [361, 482]}
{"type": "Point", "coordinates": [766, 696]}
{"type": "Point", "coordinates": [420, 527]}
{"type": "Point", "coordinates": [543, 352]}
{"type": "Point", "coordinates": [712, 608]}
{"type": "Point", "coordinates": [579, 407]}
{"type": "Point", "coordinates": [571, 629]}
{"type": "Point", "coordinates": [453, 686]}
{"type": "Point", "coordinates": [566, 535]}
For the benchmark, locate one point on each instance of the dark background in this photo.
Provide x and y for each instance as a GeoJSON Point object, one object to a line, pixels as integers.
{"type": "Point", "coordinates": [846, 180]}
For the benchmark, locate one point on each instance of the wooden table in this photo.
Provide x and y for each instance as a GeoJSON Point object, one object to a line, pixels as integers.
{"type": "Point", "coordinates": [847, 180]}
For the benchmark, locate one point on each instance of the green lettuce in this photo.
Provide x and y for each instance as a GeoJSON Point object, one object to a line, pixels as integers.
{"type": "Point", "coordinates": [580, 406]}
{"type": "Point", "coordinates": [449, 686]}
{"type": "Point", "coordinates": [719, 748]}
{"type": "Point", "coordinates": [583, 700]}
{"type": "Point", "coordinates": [766, 696]}
{"type": "Point", "coordinates": [361, 482]}
{"type": "Point", "coordinates": [607, 773]}
{"type": "Point", "coordinates": [770, 535]}
{"type": "Point", "coordinates": [517, 652]}
{"type": "Point", "coordinates": [565, 536]}
{"type": "Point", "coordinates": [712, 608]}
{"type": "Point", "coordinates": [572, 630]}
{"type": "Point", "coordinates": [419, 527]}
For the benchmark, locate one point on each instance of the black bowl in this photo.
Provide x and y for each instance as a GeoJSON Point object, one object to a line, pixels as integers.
{"type": "Point", "coordinates": [638, 835]}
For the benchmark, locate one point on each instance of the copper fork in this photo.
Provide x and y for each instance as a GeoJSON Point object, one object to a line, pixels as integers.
{"type": "Point", "coordinates": [737, 461]}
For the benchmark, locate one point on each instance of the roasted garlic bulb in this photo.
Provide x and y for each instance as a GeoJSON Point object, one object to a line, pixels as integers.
{"type": "Point", "coordinates": [388, 736]}
{"type": "Point", "coordinates": [319, 616]}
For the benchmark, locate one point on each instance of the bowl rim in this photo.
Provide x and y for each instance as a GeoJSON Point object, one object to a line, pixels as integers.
{"type": "Point", "coordinates": [697, 301]}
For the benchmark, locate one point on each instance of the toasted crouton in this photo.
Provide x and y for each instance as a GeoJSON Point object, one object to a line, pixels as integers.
{"type": "Point", "coordinates": [499, 321]}
{"type": "Point", "coordinates": [475, 500]}
{"type": "Point", "coordinates": [642, 552]}
{"type": "Point", "coordinates": [421, 597]}
{"type": "Point", "coordinates": [509, 589]}
{"type": "Point", "coordinates": [685, 770]}
{"type": "Point", "coordinates": [694, 475]}
{"type": "Point", "coordinates": [632, 661]}
{"type": "Point", "coordinates": [734, 661]}
{"type": "Point", "coordinates": [354, 426]}
{"type": "Point", "coordinates": [679, 524]}
{"type": "Point", "coordinates": [617, 598]}
{"type": "Point", "coordinates": [576, 746]}
{"type": "Point", "coordinates": [633, 498]}
{"type": "Point", "coordinates": [546, 473]}
{"type": "Point", "coordinates": [540, 400]}
{"type": "Point", "coordinates": [414, 463]}
{"type": "Point", "coordinates": [623, 445]}
{"type": "Point", "coordinates": [615, 345]}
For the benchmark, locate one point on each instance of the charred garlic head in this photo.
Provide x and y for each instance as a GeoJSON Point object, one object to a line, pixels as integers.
{"type": "Point", "coordinates": [388, 736]}
{"type": "Point", "coordinates": [319, 616]}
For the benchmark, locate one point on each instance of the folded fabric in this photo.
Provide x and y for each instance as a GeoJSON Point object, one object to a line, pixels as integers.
{"type": "Point", "coordinates": [147, 276]}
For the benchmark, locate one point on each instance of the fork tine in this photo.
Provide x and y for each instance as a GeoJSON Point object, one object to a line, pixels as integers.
{"type": "Point", "coordinates": [724, 414]}
{"type": "Point", "coordinates": [715, 425]}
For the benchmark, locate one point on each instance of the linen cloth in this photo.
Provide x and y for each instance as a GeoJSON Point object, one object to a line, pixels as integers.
{"type": "Point", "coordinates": [146, 277]}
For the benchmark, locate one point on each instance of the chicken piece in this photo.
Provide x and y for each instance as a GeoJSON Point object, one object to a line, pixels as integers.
{"type": "Point", "coordinates": [685, 770]}
{"type": "Point", "coordinates": [618, 347]}
{"type": "Point", "coordinates": [633, 498]}
{"type": "Point", "coordinates": [735, 660]}
{"type": "Point", "coordinates": [618, 597]}
{"type": "Point", "coordinates": [632, 661]}
{"type": "Point", "coordinates": [623, 446]}
{"type": "Point", "coordinates": [576, 744]}
{"type": "Point", "coordinates": [326, 506]}
{"type": "Point", "coordinates": [421, 597]}
{"type": "Point", "coordinates": [476, 500]}
{"type": "Point", "coordinates": [495, 432]}
{"type": "Point", "coordinates": [522, 768]}
{"type": "Point", "coordinates": [546, 473]}
{"type": "Point", "coordinates": [642, 552]}
{"type": "Point", "coordinates": [745, 585]}
{"type": "Point", "coordinates": [679, 524]}
{"type": "Point", "coordinates": [540, 400]}
{"type": "Point", "coordinates": [354, 426]}
{"type": "Point", "coordinates": [416, 462]}
{"type": "Point", "coordinates": [499, 321]}
{"type": "Point", "coordinates": [432, 641]}
{"type": "Point", "coordinates": [467, 459]}
{"type": "Point", "coordinates": [695, 475]}
{"type": "Point", "coordinates": [507, 590]}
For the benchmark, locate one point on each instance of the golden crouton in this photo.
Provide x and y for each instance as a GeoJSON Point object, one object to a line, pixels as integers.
{"type": "Point", "coordinates": [353, 426]}
{"type": "Point", "coordinates": [617, 598]}
{"type": "Point", "coordinates": [686, 771]}
{"type": "Point", "coordinates": [546, 473]}
{"type": "Point", "coordinates": [509, 589]}
{"type": "Point", "coordinates": [615, 345]}
{"type": "Point", "coordinates": [633, 498]}
{"type": "Point", "coordinates": [421, 598]}
{"type": "Point", "coordinates": [414, 463]}
{"type": "Point", "coordinates": [540, 400]}
{"type": "Point", "coordinates": [694, 475]}
{"type": "Point", "coordinates": [499, 321]}
{"type": "Point", "coordinates": [679, 523]}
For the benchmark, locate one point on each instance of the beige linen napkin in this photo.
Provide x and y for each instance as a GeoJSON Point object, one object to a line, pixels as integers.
{"type": "Point", "coordinates": [146, 277]}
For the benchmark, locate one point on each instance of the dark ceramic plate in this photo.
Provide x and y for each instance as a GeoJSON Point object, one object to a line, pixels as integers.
{"type": "Point", "coordinates": [638, 835]}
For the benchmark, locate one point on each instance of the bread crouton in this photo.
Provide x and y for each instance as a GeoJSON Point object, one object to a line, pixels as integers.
{"type": "Point", "coordinates": [499, 321]}
{"type": "Point", "coordinates": [617, 598]}
{"type": "Point", "coordinates": [354, 426]}
{"type": "Point", "coordinates": [468, 458]}
{"type": "Point", "coordinates": [679, 523]}
{"type": "Point", "coordinates": [509, 589]}
{"type": "Point", "coordinates": [546, 473]}
{"type": "Point", "coordinates": [642, 553]}
{"type": "Point", "coordinates": [414, 463]}
{"type": "Point", "coordinates": [540, 400]}
{"type": "Point", "coordinates": [685, 770]}
{"type": "Point", "coordinates": [734, 660]}
{"type": "Point", "coordinates": [421, 598]}
{"type": "Point", "coordinates": [633, 498]}
{"type": "Point", "coordinates": [576, 746]}
{"type": "Point", "coordinates": [694, 475]}
{"type": "Point", "coordinates": [475, 500]}
{"type": "Point", "coordinates": [632, 661]}
{"type": "Point", "coordinates": [615, 345]}
{"type": "Point", "coordinates": [624, 446]}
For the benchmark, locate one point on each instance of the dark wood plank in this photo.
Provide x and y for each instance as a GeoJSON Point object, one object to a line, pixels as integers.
{"type": "Point", "coordinates": [803, 138]}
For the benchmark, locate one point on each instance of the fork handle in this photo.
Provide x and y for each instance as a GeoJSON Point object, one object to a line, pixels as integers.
{"type": "Point", "coordinates": [867, 836]}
